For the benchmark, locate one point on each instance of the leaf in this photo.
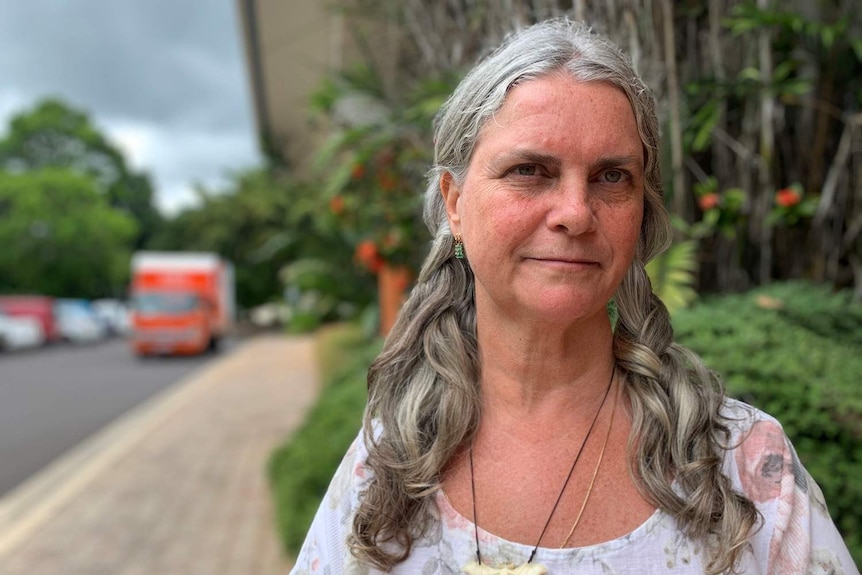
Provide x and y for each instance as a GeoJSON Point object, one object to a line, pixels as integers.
{"type": "Point", "coordinates": [672, 275]}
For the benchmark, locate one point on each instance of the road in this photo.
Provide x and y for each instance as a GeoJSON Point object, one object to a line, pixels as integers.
{"type": "Point", "coordinates": [53, 398]}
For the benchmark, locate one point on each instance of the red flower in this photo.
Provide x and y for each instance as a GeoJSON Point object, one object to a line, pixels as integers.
{"type": "Point", "coordinates": [366, 254]}
{"type": "Point", "coordinates": [787, 197]}
{"type": "Point", "coordinates": [358, 172]}
{"type": "Point", "coordinates": [708, 201]}
{"type": "Point", "coordinates": [336, 204]}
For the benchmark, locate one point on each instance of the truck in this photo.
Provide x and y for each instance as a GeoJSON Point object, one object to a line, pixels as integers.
{"type": "Point", "coordinates": [182, 303]}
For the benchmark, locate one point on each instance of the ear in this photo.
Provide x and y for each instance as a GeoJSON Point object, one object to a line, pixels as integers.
{"type": "Point", "coordinates": [451, 193]}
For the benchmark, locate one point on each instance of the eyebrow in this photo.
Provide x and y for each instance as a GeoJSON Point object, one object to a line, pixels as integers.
{"type": "Point", "coordinates": [527, 157]}
{"type": "Point", "coordinates": [533, 157]}
{"type": "Point", "coordinates": [615, 161]}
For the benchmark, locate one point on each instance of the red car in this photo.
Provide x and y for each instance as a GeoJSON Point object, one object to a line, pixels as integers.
{"type": "Point", "coordinates": [39, 307]}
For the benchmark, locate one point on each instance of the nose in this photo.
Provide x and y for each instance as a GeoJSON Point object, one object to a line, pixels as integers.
{"type": "Point", "coordinates": [571, 209]}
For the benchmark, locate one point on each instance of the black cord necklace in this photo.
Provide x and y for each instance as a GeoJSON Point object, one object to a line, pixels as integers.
{"type": "Point", "coordinates": [527, 568]}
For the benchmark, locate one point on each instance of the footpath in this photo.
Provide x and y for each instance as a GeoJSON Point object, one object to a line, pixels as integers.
{"type": "Point", "coordinates": [176, 487]}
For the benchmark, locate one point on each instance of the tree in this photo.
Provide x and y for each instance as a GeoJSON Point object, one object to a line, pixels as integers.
{"type": "Point", "coordinates": [60, 236]}
{"type": "Point", "coordinates": [53, 134]}
{"type": "Point", "coordinates": [262, 222]}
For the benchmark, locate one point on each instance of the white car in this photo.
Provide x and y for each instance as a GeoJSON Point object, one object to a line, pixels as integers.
{"type": "Point", "coordinates": [77, 323]}
{"type": "Point", "coordinates": [20, 332]}
{"type": "Point", "coordinates": [113, 314]}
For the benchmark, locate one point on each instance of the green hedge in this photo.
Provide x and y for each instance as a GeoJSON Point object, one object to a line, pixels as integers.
{"type": "Point", "coordinates": [300, 470]}
{"type": "Point", "coordinates": [793, 350]}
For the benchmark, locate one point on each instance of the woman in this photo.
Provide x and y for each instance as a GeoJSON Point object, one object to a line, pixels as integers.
{"type": "Point", "coordinates": [510, 427]}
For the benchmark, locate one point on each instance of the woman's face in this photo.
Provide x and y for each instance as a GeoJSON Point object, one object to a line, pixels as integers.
{"type": "Point", "coordinates": [551, 207]}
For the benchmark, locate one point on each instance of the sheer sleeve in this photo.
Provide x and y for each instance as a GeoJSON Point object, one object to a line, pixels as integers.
{"type": "Point", "coordinates": [797, 535]}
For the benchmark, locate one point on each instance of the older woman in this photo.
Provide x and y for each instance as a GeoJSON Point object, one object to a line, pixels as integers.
{"type": "Point", "coordinates": [510, 427]}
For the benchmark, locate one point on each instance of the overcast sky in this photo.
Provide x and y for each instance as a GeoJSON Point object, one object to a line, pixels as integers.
{"type": "Point", "coordinates": [165, 79]}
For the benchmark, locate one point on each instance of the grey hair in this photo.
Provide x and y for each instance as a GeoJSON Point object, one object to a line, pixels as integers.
{"type": "Point", "coordinates": [423, 387]}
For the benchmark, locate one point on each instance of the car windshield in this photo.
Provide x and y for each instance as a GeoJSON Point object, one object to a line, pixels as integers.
{"type": "Point", "coordinates": [162, 303]}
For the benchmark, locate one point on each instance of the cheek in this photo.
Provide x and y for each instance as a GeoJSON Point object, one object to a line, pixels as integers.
{"type": "Point", "coordinates": [626, 231]}
{"type": "Point", "coordinates": [483, 216]}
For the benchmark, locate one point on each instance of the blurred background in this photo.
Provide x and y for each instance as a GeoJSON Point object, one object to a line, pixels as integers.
{"type": "Point", "coordinates": [176, 177]}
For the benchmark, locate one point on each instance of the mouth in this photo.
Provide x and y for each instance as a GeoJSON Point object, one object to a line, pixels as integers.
{"type": "Point", "coordinates": [565, 262]}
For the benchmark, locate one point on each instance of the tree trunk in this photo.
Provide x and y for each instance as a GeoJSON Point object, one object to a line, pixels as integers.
{"type": "Point", "coordinates": [679, 199]}
{"type": "Point", "coordinates": [767, 142]}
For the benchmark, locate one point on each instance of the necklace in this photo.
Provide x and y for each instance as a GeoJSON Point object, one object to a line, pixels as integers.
{"type": "Point", "coordinates": [593, 478]}
{"type": "Point", "coordinates": [528, 568]}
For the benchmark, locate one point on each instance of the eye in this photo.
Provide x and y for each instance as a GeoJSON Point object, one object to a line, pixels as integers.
{"type": "Point", "coordinates": [526, 170]}
{"type": "Point", "coordinates": [613, 176]}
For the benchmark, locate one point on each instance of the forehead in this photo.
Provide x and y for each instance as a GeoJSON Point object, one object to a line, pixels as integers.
{"type": "Point", "coordinates": [559, 109]}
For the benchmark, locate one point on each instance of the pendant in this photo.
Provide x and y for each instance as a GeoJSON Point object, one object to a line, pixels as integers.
{"type": "Point", "coordinates": [473, 568]}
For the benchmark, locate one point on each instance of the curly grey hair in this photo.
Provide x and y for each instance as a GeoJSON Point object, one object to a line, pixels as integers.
{"type": "Point", "coordinates": [423, 387]}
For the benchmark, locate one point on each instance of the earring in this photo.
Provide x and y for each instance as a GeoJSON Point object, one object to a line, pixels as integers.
{"type": "Point", "coordinates": [459, 247]}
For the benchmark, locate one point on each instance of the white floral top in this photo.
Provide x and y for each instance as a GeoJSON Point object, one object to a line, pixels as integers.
{"type": "Point", "coordinates": [797, 536]}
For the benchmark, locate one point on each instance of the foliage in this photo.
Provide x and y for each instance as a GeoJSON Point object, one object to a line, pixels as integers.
{"type": "Point", "coordinates": [795, 351]}
{"type": "Point", "coordinates": [374, 165]}
{"type": "Point", "coordinates": [791, 206]}
{"type": "Point", "coordinates": [767, 99]}
{"type": "Point", "coordinates": [263, 222]}
{"type": "Point", "coordinates": [60, 236]}
{"type": "Point", "coordinates": [300, 470]}
{"type": "Point", "coordinates": [672, 275]}
{"type": "Point", "coordinates": [723, 211]}
{"type": "Point", "coordinates": [55, 135]}
{"type": "Point", "coordinates": [318, 291]}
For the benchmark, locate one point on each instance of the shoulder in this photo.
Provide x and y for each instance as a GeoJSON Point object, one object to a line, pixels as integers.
{"type": "Point", "coordinates": [760, 459]}
{"type": "Point", "coordinates": [350, 478]}
{"type": "Point", "coordinates": [796, 534]}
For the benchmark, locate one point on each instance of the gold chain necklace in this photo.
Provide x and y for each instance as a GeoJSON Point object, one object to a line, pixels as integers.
{"type": "Point", "coordinates": [528, 568]}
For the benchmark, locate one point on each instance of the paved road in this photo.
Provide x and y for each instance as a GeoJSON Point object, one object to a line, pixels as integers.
{"type": "Point", "coordinates": [52, 398]}
{"type": "Point", "coordinates": [177, 487]}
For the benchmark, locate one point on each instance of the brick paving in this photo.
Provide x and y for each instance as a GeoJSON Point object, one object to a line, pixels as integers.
{"type": "Point", "coordinates": [184, 491]}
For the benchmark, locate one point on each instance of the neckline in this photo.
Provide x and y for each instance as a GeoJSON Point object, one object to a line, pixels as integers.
{"type": "Point", "coordinates": [446, 509]}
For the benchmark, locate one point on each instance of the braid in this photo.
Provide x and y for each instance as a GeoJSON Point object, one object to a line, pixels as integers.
{"type": "Point", "coordinates": [677, 426]}
{"type": "Point", "coordinates": [423, 394]}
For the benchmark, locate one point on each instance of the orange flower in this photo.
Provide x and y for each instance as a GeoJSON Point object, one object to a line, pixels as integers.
{"type": "Point", "coordinates": [708, 201]}
{"type": "Point", "coordinates": [358, 171]}
{"type": "Point", "coordinates": [366, 254]}
{"type": "Point", "coordinates": [336, 204]}
{"type": "Point", "coordinates": [787, 197]}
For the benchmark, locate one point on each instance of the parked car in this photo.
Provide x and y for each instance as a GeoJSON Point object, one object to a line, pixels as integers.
{"type": "Point", "coordinates": [113, 314]}
{"type": "Point", "coordinates": [76, 321]}
{"type": "Point", "coordinates": [20, 332]}
{"type": "Point", "coordinates": [36, 306]}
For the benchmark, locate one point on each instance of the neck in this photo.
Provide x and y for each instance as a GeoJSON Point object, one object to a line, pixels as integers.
{"type": "Point", "coordinates": [544, 370]}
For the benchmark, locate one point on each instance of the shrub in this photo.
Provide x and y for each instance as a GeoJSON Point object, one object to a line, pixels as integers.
{"type": "Point", "coordinates": [795, 351]}
{"type": "Point", "coordinates": [300, 470]}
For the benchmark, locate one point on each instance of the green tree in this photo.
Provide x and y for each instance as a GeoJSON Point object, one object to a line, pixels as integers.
{"type": "Point", "coordinates": [53, 134]}
{"type": "Point", "coordinates": [263, 222]}
{"type": "Point", "coordinates": [60, 236]}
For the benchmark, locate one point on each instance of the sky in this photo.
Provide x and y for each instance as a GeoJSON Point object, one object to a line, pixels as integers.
{"type": "Point", "coordinates": [164, 79]}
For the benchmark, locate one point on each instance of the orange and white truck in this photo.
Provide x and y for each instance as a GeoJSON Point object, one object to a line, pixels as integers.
{"type": "Point", "coordinates": [183, 303]}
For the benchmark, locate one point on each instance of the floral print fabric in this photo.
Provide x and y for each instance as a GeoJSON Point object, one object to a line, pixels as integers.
{"type": "Point", "coordinates": [797, 535]}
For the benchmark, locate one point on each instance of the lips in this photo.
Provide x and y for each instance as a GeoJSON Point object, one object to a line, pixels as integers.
{"type": "Point", "coordinates": [564, 260]}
